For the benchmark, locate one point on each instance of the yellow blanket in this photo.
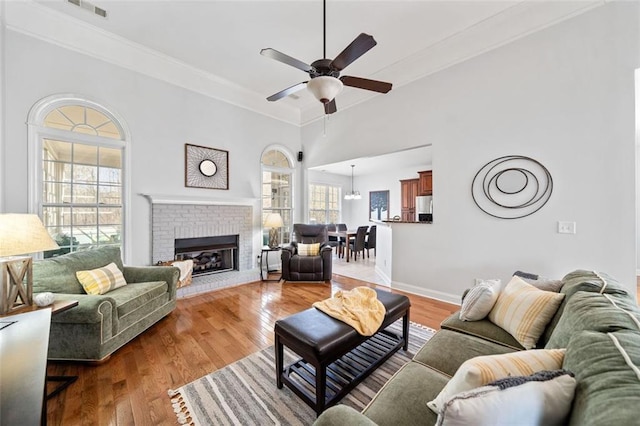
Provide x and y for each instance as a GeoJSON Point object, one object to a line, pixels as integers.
{"type": "Point", "coordinates": [360, 308]}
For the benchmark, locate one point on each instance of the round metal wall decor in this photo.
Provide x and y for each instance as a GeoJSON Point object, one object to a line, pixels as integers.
{"type": "Point", "coordinates": [512, 187]}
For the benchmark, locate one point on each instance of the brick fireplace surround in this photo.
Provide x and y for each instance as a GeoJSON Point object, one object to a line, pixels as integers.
{"type": "Point", "coordinates": [180, 219]}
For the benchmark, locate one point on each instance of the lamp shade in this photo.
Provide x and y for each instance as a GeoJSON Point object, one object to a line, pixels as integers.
{"type": "Point", "coordinates": [23, 234]}
{"type": "Point", "coordinates": [325, 88]}
{"type": "Point", "coordinates": [273, 220]}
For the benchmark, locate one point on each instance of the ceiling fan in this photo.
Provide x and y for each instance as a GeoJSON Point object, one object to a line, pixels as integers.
{"type": "Point", "coordinates": [325, 82]}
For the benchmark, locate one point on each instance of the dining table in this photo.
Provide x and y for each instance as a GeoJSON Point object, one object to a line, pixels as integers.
{"type": "Point", "coordinates": [346, 235]}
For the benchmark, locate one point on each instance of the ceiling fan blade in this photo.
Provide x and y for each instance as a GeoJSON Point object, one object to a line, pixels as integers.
{"type": "Point", "coordinates": [286, 59]}
{"type": "Point", "coordinates": [286, 92]}
{"type": "Point", "coordinates": [366, 84]}
{"type": "Point", "coordinates": [357, 48]}
{"type": "Point", "coordinates": [330, 107]}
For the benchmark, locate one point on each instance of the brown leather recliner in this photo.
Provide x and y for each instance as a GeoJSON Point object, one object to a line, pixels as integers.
{"type": "Point", "coordinates": [307, 268]}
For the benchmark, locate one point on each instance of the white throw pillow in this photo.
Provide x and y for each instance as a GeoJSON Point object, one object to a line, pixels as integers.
{"type": "Point", "coordinates": [543, 398]}
{"type": "Point", "coordinates": [482, 370]}
{"type": "Point", "coordinates": [479, 300]}
{"type": "Point", "coordinates": [524, 311]}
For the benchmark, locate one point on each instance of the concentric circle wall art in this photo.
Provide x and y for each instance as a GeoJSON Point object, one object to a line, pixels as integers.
{"type": "Point", "coordinates": [512, 187]}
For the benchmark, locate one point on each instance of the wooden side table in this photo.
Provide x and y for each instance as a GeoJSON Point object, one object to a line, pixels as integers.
{"type": "Point", "coordinates": [264, 264]}
{"type": "Point", "coordinates": [65, 381]}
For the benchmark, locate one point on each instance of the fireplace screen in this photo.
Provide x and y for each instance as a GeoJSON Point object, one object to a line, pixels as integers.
{"type": "Point", "coordinates": [209, 254]}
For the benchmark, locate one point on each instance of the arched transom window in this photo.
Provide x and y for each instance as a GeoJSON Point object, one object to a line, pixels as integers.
{"type": "Point", "coordinates": [82, 119]}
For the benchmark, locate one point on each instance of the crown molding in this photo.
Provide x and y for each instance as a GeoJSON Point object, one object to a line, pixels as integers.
{"type": "Point", "coordinates": [41, 22]}
{"type": "Point", "coordinates": [524, 18]}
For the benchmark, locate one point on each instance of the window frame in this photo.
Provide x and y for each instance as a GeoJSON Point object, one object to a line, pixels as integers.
{"type": "Point", "coordinates": [326, 201]}
{"type": "Point", "coordinates": [38, 132]}
{"type": "Point", "coordinates": [283, 170]}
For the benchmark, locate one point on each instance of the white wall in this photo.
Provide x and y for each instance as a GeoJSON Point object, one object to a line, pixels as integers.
{"type": "Point", "coordinates": [564, 96]}
{"type": "Point", "coordinates": [637, 80]}
{"type": "Point", "coordinates": [2, 103]}
{"type": "Point", "coordinates": [161, 118]}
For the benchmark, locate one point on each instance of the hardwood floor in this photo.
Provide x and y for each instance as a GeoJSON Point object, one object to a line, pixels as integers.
{"type": "Point", "coordinates": [204, 333]}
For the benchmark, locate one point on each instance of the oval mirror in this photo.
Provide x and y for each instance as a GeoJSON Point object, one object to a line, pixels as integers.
{"type": "Point", "coordinates": [208, 168]}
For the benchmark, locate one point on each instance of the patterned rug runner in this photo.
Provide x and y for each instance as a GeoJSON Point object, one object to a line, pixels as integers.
{"type": "Point", "coordinates": [245, 392]}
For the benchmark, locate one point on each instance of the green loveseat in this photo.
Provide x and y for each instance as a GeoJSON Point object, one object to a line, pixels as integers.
{"type": "Point", "coordinates": [596, 312]}
{"type": "Point", "coordinates": [101, 324]}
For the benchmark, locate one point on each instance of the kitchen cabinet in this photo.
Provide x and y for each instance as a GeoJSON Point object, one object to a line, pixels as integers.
{"type": "Point", "coordinates": [408, 191]}
{"type": "Point", "coordinates": [425, 183]}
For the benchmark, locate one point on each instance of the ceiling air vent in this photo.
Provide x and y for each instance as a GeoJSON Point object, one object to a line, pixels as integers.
{"type": "Point", "coordinates": [90, 7]}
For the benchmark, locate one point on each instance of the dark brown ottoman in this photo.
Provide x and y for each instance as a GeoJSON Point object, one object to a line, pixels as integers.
{"type": "Point", "coordinates": [335, 358]}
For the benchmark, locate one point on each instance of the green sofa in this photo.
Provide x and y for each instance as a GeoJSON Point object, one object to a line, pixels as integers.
{"type": "Point", "coordinates": [607, 392]}
{"type": "Point", "coordinates": [101, 324]}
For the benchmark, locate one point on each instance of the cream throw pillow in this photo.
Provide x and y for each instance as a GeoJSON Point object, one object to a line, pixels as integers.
{"type": "Point", "coordinates": [524, 311]}
{"type": "Point", "coordinates": [479, 300]}
{"type": "Point", "coordinates": [482, 370]}
{"type": "Point", "coordinates": [308, 249]}
{"type": "Point", "coordinates": [543, 398]}
{"type": "Point", "coordinates": [101, 280]}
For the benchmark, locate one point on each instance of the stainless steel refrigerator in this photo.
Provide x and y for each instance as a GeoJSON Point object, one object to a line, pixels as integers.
{"type": "Point", "coordinates": [424, 208]}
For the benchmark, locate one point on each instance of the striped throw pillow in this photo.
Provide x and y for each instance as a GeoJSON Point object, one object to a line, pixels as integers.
{"type": "Point", "coordinates": [309, 249]}
{"type": "Point", "coordinates": [480, 300]}
{"type": "Point", "coordinates": [524, 311]}
{"type": "Point", "coordinates": [101, 280]}
{"type": "Point", "coordinates": [482, 370]}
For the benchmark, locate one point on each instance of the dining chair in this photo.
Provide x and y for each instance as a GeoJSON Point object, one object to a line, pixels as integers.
{"type": "Point", "coordinates": [357, 245]}
{"type": "Point", "coordinates": [342, 227]}
{"type": "Point", "coordinates": [371, 240]}
{"type": "Point", "coordinates": [334, 242]}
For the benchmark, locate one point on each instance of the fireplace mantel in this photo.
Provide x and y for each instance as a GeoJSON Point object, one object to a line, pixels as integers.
{"type": "Point", "coordinates": [185, 199]}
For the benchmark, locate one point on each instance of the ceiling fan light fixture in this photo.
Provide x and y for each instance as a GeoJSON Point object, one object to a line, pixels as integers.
{"type": "Point", "coordinates": [325, 88]}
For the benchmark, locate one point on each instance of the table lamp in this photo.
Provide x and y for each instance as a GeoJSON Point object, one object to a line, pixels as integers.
{"type": "Point", "coordinates": [273, 221]}
{"type": "Point", "coordinates": [19, 234]}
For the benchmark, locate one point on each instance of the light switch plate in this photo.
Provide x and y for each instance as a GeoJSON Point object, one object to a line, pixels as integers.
{"type": "Point", "coordinates": [566, 227]}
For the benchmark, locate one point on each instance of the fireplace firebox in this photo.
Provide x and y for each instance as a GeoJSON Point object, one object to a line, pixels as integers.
{"type": "Point", "coordinates": [210, 255]}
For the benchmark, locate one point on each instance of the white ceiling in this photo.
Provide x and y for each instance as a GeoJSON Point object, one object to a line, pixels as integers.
{"type": "Point", "coordinates": [418, 158]}
{"type": "Point", "coordinates": [214, 46]}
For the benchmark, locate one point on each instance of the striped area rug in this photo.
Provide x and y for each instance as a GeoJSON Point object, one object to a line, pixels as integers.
{"type": "Point", "coordinates": [245, 392]}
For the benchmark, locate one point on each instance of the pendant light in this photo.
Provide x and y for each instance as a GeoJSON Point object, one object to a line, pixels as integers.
{"type": "Point", "coordinates": [353, 195]}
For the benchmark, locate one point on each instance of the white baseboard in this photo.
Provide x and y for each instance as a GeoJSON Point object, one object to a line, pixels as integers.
{"type": "Point", "coordinates": [385, 278]}
{"type": "Point", "coordinates": [433, 294]}
{"type": "Point", "coordinates": [637, 272]}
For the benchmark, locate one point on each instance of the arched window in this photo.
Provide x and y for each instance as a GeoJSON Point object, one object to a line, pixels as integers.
{"type": "Point", "coordinates": [78, 189]}
{"type": "Point", "coordinates": [277, 191]}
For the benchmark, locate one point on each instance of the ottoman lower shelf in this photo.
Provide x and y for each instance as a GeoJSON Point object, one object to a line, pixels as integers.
{"type": "Point", "coordinates": [345, 373]}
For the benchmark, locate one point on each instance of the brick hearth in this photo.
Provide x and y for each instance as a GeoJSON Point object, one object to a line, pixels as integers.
{"type": "Point", "coordinates": [171, 221]}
